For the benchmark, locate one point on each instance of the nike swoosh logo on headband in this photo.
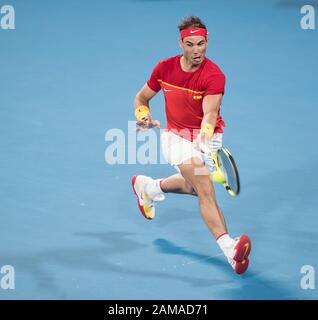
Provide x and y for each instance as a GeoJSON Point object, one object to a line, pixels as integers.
{"type": "Point", "coordinates": [193, 31]}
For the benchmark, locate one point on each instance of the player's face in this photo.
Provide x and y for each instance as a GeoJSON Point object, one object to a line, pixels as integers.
{"type": "Point", "coordinates": [194, 49]}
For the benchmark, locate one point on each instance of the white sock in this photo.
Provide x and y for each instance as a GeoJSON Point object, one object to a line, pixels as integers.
{"type": "Point", "coordinates": [153, 190]}
{"type": "Point", "coordinates": [226, 244]}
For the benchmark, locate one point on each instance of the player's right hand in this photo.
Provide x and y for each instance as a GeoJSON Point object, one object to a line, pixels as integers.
{"type": "Point", "coordinates": [147, 123]}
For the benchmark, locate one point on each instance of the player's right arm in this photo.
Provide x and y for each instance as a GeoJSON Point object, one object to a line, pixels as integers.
{"type": "Point", "coordinates": [144, 95]}
{"type": "Point", "coordinates": [142, 110]}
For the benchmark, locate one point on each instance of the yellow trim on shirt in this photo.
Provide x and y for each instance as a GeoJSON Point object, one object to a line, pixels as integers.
{"type": "Point", "coordinates": [176, 87]}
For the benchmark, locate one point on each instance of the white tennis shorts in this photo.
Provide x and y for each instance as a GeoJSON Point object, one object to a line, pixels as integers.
{"type": "Point", "coordinates": [177, 150]}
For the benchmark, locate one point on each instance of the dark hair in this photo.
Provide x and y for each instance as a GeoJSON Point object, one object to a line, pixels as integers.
{"type": "Point", "coordinates": [191, 21]}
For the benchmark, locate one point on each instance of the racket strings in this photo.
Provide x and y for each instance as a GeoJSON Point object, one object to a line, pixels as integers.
{"type": "Point", "coordinates": [229, 169]}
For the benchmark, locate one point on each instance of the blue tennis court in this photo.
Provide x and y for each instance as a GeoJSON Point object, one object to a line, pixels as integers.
{"type": "Point", "coordinates": [69, 222]}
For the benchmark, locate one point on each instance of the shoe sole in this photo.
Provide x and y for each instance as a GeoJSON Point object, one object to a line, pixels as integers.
{"type": "Point", "coordinates": [243, 248]}
{"type": "Point", "coordinates": [242, 266]}
{"type": "Point", "coordinates": [141, 209]}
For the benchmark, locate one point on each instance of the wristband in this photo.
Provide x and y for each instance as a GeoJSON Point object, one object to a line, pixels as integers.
{"type": "Point", "coordinates": [141, 113]}
{"type": "Point", "coordinates": [207, 129]}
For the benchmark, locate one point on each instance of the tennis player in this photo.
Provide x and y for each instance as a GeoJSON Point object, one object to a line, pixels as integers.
{"type": "Point", "coordinates": [193, 88]}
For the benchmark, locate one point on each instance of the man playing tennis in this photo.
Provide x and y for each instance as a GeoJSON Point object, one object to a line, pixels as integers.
{"type": "Point", "coordinates": [193, 87]}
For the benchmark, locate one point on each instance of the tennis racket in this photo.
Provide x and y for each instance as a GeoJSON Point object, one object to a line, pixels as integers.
{"type": "Point", "coordinates": [225, 162]}
{"type": "Point", "coordinates": [225, 170]}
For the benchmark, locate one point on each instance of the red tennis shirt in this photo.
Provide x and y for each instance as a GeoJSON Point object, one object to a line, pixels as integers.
{"type": "Point", "coordinates": [184, 93]}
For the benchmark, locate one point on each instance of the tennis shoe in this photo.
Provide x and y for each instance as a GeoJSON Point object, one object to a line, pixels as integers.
{"type": "Point", "coordinates": [238, 256]}
{"type": "Point", "coordinates": [145, 202]}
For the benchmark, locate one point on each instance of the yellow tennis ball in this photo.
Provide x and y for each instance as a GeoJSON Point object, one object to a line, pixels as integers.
{"type": "Point", "coordinates": [141, 113]}
{"type": "Point", "coordinates": [218, 176]}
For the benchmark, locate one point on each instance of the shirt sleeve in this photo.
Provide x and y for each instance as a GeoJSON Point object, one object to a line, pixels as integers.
{"type": "Point", "coordinates": [153, 82]}
{"type": "Point", "coordinates": [215, 84]}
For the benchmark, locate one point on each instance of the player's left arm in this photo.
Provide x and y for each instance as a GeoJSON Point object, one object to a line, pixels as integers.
{"type": "Point", "coordinates": [211, 106]}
